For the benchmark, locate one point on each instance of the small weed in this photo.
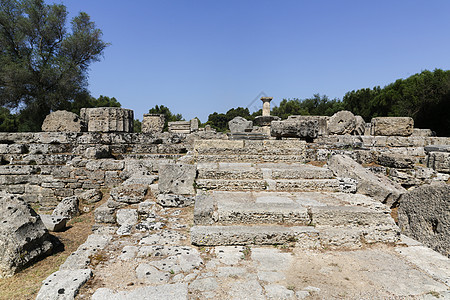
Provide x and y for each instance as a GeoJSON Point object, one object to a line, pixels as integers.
{"type": "Point", "coordinates": [97, 258]}
{"type": "Point", "coordinates": [246, 253]}
{"type": "Point", "coordinates": [291, 288]}
{"type": "Point", "coordinates": [172, 272]}
{"type": "Point", "coordinates": [434, 294]}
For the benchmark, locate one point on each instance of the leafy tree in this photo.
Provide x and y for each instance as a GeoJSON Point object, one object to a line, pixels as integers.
{"type": "Point", "coordinates": [316, 106]}
{"type": "Point", "coordinates": [169, 116]}
{"type": "Point", "coordinates": [424, 96]}
{"type": "Point", "coordinates": [137, 126]}
{"type": "Point", "coordinates": [8, 122]}
{"type": "Point", "coordinates": [219, 121]}
{"type": "Point", "coordinates": [43, 66]}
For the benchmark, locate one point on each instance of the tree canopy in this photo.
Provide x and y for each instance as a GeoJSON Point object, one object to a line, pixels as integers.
{"type": "Point", "coordinates": [424, 96]}
{"type": "Point", "coordinates": [43, 65]}
{"type": "Point", "coordinates": [168, 115]}
{"type": "Point", "coordinates": [317, 105]}
{"type": "Point", "coordinates": [219, 121]}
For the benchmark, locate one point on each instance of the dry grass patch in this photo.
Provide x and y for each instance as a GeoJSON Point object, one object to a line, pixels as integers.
{"type": "Point", "coordinates": [26, 284]}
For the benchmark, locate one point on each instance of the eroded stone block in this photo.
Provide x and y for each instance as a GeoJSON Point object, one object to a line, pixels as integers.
{"type": "Point", "coordinates": [391, 126]}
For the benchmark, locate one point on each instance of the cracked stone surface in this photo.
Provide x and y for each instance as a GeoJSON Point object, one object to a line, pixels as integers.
{"type": "Point", "coordinates": [162, 263]}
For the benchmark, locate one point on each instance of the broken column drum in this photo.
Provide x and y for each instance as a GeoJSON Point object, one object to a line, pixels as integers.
{"type": "Point", "coordinates": [266, 105]}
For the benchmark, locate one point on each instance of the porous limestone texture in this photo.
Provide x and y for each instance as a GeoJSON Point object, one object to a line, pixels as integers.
{"type": "Point", "coordinates": [321, 120]}
{"type": "Point", "coordinates": [249, 151]}
{"type": "Point", "coordinates": [342, 122]}
{"type": "Point", "coordinates": [153, 123]}
{"type": "Point", "coordinates": [424, 215]}
{"type": "Point", "coordinates": [392, 126]}
{"type": "Point", "coordinates": [54, 223]}
{"type": "Point", "coordinates": [239, 124]}
{"type": "Point", "coordinates": [176, 178]}
{"type": "Point", "coordinates": [63, 121]}
{"type": "Point", "coordinates": [295, 128]}
{"type": "Point", "coordinates": [439, 161]}
{"type": "Point", "coordinates": [360, 126]}
{"type": "Point", "coordinates": [67, 208]}
{"type": "Point", "coordinates": [23, 236]}
{"type": "Point", "coordinates": [108, 119]}
{"type": "Point", "coordinates": [63, 284]}
{"type": "Point", "coordinates": [378, 187]}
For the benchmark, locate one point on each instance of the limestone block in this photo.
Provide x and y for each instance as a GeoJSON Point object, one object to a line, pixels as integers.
{"type": "Point", "coordinates": [54, 223]}
{"type": "Point", "coordinates": [108, 119]}
{"type": "Point", "coordinates": [376, 186]}
{"type": "Point", "coordinates": [104, 214]}
{"type": "Point", "coordinates": [307, 129]}
{"type": "Point", "coordinates": [391, 126]}
{"type": "Point", "coordinates": [23, 236]}
{"type": "Point", "coordinates": [424, 215]}
{"type": "Point", "coordinates": [175, 178]}
{"type": "Point", "coordinates": [97, 152]}
{"type": "Point", "coordinates": [393, 160]}
{"type": "Point", "coordinates": [90, 196]}
{"type": "Point", "coordinates": [321, 120]}
{"type": "Point", "coordinates": [194, 125]}
{"type": "Point", "coordinates": [265, 120]}
{"type": "Point", "coordinates": [153, 123]}
{"type": "Point", "coordinates": [169, 200]}
{"type": "Point", "coordinates": [439, 161]}
{"type": "Point", "coordinates": [67, 208]}
{"type": "Point", "coordinates": [63, 121]}
{"type": "Point", "coordinates": [342, 122]}
{"type": "Point", "coordinates": [360, 126]}
{"type": "Point", "coordinates": [131, 193]}
{"type": "Point", "coordinates": [180, 127]}
{"type": "Point", "coordinates": [239, 124]}
{"type": "Point", "coordinates": [422, 132]}
{"type": "Point", "coordinates": [63, 284]}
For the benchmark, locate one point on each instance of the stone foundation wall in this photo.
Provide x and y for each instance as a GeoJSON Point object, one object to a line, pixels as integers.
{"type": "Point", "coordinates": [45, 167]}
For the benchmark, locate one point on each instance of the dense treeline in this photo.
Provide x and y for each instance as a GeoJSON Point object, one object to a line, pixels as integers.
{"type": "Point", "coordinates": [425, 97]}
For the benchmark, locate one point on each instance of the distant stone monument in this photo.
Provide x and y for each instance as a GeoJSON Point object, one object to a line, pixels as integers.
{"type": "Point", "coordinates": [239, 124]}
{"type": "Point", "coordinates": [266, 119]}
{"type": "Point", "coordinates": [153, 123]}
{"type": "Point", "coordinates": [184, 127]}
{"type": "Point", "coordinates": [108, 119]}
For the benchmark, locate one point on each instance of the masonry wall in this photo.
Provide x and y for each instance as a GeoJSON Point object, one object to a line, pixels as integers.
{"type": "Point", "coordinates": [45, 167]}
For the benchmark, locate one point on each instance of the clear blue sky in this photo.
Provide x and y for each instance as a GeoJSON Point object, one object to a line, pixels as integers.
{"type": "Point", "coordinates": [202, 56]}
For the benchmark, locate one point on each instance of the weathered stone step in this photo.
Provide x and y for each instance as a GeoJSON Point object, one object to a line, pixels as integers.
{"type": "Point", "coordinates": [251, 235]}
{"type": "Point", "coordinates": [300, 185]}
{"type": "Point", "coordinates": [232, 157]}
{"type": "Point", "coordinates": [309, 237]}
{"type": "Point", "coordinates": [318, 209]}
{"type": "Point", "coordinates": [261, 171]}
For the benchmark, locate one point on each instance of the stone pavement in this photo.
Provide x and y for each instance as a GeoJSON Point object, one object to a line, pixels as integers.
{"type": "Point", "coordinates": [161, 264]}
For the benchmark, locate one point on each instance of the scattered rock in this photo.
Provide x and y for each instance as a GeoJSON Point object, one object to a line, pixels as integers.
{"type": "Point", "coordinates": [169, 200]}
{"type": "Point", "coordinates": [63, 284]}
{"type": "Point", "coordinates": [424, 215]}
{"type": "Point", "coordinates": [131, 193]}
{"type": "Point", "coordinates": [54, 223]}
{"type": "Point", "coordinates": [239, 124]}
{"type": "Point", "coordinates": [90, 196]}
{"type": "Point", "coordinates": [23, 236]}
{"type": "Point", "coordinates": [342, 122]}
{"type": "Point", "coordinates": [376, 186]}
{"type": "Point", "coordinates": [67, 208]}
{"type": "Point", "coordinates": [63, 121]}
{"type": "Point", "coordinates": [177, 178]}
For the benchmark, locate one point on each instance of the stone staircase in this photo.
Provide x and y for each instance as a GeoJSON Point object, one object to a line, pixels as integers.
{"type": "Point", "coordinates": [243, 201]}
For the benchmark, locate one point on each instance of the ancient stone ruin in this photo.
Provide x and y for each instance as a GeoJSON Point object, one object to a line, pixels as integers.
{"type": "Point", "coordinates": [311, 207]}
